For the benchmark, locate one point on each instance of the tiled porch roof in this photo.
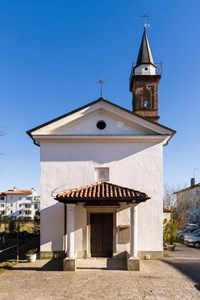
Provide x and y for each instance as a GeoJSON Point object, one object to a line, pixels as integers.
{"type": "Point", "coordinates": [101, 192]}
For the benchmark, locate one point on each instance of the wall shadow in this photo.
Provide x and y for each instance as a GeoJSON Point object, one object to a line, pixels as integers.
{"type": "Point", "coordinates": [117, 263]}
{"type": "Point", "coordinates": [188, 267]}
{"type": "Point", "coordinates": [50, 265]}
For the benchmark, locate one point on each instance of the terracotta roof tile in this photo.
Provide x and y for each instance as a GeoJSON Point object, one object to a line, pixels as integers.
{"type": "Point", "coordinates": [101, 191]}
{"type": "Point", "coordinates": [18, 192]}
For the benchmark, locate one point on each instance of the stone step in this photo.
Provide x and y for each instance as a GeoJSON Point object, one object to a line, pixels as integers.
{"type": "Point", "coordinates": [101, 264]}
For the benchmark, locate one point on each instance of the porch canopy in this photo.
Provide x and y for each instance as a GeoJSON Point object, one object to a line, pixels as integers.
{"type": "Point", "coordinates": [101, 194]}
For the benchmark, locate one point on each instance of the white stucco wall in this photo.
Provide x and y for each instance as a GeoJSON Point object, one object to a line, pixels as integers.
{"type": "Point", "coordinates": [136, 165]}
{"type": "Point", "coordinates": [145, 70]}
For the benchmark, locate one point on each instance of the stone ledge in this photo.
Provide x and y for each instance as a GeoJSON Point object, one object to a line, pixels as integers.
{"type": "Point", "coordinates": [152, 254]}
{"type": "Point", "coordinates": [69, 264]}
{"type": "Point", "coordinates": [133, 264]}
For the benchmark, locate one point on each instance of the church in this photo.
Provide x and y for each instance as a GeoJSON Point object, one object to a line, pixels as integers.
{"type": "Point", "coordinates": [102, 175]}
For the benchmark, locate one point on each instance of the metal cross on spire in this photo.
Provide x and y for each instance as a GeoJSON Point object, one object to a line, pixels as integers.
{"type": "Point", "coordinates": [101, 82]}
{"type": "Point", "coordinates": [145, 20]}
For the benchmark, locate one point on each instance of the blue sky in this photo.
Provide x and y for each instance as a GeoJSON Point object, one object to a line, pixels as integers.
{"type": "Point", "coordinates": [53, 52]}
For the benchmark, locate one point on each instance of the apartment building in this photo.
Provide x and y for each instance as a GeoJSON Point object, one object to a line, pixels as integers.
{"type": "Point", "coordinates": [19, 203]}
{"type": "Point", "coordinates": [188, 202]}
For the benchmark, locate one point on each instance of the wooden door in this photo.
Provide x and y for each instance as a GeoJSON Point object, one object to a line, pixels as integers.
{"type": "Point", "coordinates": [101, 234]}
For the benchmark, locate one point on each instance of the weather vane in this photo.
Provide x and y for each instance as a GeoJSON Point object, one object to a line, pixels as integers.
{"type": "Point", "coordinates": [145, 20]}
{"type": "Point", "coordinates": [101, 82]}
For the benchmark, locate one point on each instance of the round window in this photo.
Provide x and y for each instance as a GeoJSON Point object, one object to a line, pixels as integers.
{"type": "Point", "coordinates": [101, 125]}
{"type": "Point", "coordinates": [146, 69]}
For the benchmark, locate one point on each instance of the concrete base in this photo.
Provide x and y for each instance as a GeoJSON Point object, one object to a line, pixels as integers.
{"type": "Point", "coordinates": [52, 254]}
{"type": "Point", "coordinates": [69, 264]}
{"type": "Point", "coordinates": [152, 254]}
{"type": "Point", "coordinates": [133, 264]}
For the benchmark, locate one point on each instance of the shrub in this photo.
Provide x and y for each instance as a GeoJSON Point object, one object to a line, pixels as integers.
{"type": "Point", "coordinates": [170, 229]}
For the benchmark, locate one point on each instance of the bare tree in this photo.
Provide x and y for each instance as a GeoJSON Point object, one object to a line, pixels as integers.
{"type": "Point", "coordinates": [186, 202]}
{"type": "Point", "coordinates": [169, 199]}
{"type": "Point", "coordinates": [180, 204]}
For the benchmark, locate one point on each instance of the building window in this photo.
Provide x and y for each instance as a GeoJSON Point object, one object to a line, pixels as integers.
{"type": "Point", "coordinates": [197, 205]}
{"type": "Point", "coordinates": [36, 206]}
{"type": "Point", "coordinates": [27, 212]}
{"type": "Point", "coordinates": [20, 205]}
{"type": "Point", "coordinates": [197, 192]}
{"type": "Point", "coordinates": [1, 198]}
{"type": "Point", "coordinates": [11, 211]}
{"type": "Point", "coordinates": [101, 174]}
{"type": "Point", "coordinates": [27, 205]}
{"type": "Point", "coordinates": [20, 212]}
{"type": "Point", "coordinates": [101, 125]}
{"type": "Point", "coordinates": [11, 204]}
{"type": "Point", "coordinates": [29, 198]}
{"type": "Point", "coordinates": [1, 205]}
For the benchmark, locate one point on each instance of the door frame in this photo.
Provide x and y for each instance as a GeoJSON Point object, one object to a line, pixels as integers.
{"type": "Point", "coordinates": [103, 210]}
{"type": "Point", "coordinates": [101, 236]}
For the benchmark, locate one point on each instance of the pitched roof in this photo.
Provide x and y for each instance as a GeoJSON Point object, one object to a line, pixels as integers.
{"type": "Point", "coordinates": [101, 192]}
{"type": "Point", "coordinates": [101, 99]}
{"type": "Point", "coordinates": [17, 192]}
{"type": "Point", "coordinates": [145, 56]}
{"type": "Point", "coordinates": [188, 188]}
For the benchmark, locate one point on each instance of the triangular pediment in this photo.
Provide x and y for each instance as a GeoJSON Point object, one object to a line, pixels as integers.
{"type": "Point", "coordinates": [85, 121]}
{"type": "Point", "coordinates": [91, 122]}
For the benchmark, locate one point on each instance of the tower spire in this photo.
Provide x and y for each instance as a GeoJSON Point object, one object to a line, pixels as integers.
{"type": "Point", "coordinates": [145, 55]}
{"type": "Point", "coordinates": [144, 81]}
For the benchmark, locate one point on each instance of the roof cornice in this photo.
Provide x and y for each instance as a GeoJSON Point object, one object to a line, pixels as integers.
{"type": "Point", "coordinates": [106, 138]}
{"type": "Point", "coordinates": [140, 119]}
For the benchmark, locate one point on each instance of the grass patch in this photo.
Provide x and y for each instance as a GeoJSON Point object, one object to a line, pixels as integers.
{"type": "Point", "coordinates": [6, 265]}
{"type": "Point", "coordinates": [24, 226]}
{"type": "Point", "coordinates": [28, 226]}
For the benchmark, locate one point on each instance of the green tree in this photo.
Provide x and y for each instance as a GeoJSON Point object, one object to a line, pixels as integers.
{"type": "Point", "coordinates": [12, 225]}
{"type": "Point", "coordinates": [6, 221]}
{"type": "Point", "coordinates": [36, 222]}
{"type": "Point", "coordinates": [170, 228]}
{"type": "Point", "coordinates": [2, 213]}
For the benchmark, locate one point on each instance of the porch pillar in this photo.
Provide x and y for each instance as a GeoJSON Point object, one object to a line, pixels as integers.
{"type": "Point", "coordinates": [70, 229]}
{"type": "Point", "coordinates": [133, 243]}
{"type": "Point", "coordinates": [133, 263]}
{"type": "Point", "coordinates": [69, 263]}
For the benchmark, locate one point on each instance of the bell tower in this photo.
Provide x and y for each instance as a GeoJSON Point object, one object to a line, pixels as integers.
{"type": "Point", "coordinates": [144, 82]}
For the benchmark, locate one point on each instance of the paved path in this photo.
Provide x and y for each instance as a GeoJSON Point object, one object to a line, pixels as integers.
{"type": "Point", "coordinates": [175, 277]}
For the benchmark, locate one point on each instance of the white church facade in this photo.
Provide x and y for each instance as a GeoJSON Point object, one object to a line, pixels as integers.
{"type": "Point", "coordinates": [105, 166]}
